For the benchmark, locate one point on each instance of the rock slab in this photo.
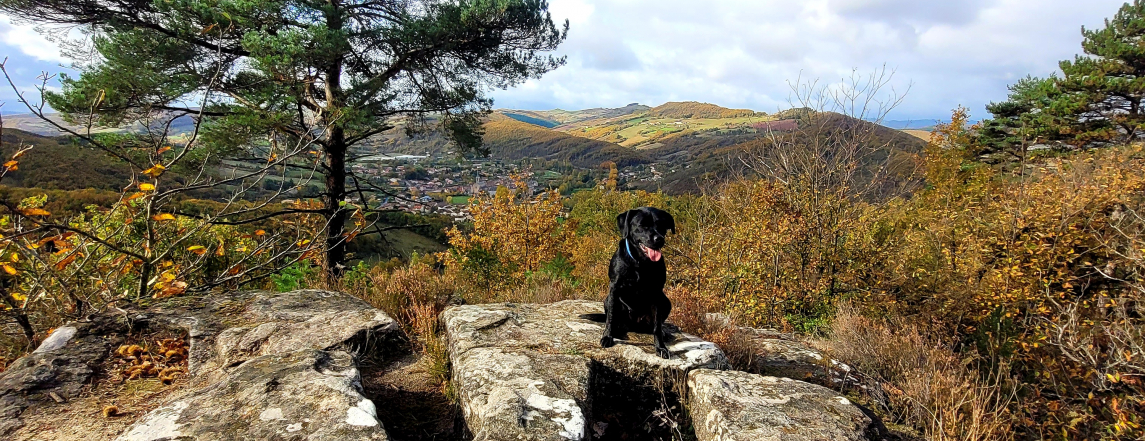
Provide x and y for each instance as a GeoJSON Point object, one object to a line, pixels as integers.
{"type": "Point", "coordinates": [738, 406]}
{"type": "Point", "coordinates": [527, 372]}
{"type": "Point", "coordinates": [226, 330]}
{"type": "Point", "coordinates": [275, 366]}
{"type": "Point", "coordinates": [780, 354]}
{"type": "Point", "coordinates": [262, 365]}
{"type": "Point", "coordinates": [302, 395]}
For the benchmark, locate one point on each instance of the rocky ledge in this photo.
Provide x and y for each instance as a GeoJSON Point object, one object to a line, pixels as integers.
{"type": "Point", "coordinates": [537, 372]}
{"type": "Point", "coordinates": [261, 365]}
{"type": "Point", "coordinates": [285, 366]}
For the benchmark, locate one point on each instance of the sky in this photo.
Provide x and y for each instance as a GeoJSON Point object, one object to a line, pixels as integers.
{"type": "Point", "coordinates": [747, 53]}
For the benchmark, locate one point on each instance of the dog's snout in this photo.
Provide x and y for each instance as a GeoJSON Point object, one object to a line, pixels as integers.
{"type": "Point", "coordinates": [658, 241]}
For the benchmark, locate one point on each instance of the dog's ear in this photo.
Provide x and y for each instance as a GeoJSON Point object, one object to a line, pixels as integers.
{"type": "Point", "coordinates": [622, 222]}
{"type": "Point", "coordinates": [664, 221]}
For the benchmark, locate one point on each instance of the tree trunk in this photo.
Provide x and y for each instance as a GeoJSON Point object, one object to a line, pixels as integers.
{"type": "Point", "coordinates": [335, 195]}
{"type": "Point", "coordinates": [336, 148]}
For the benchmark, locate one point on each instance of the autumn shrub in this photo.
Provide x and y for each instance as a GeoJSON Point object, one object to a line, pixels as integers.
{"type": "Point", "coordinates": [64, 266]}
{"type": "Point", "coordinates": [919, 380]}
{"type": "Point", "coordinates": [1041, 271]}
{"type": "Point", "coordinates": [514, 234]}
{"type": "Point", "coordinates": [400, 291]}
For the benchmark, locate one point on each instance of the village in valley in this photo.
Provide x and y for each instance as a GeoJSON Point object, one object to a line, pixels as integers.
{"type": "Point", "coordinates": [444, 185]}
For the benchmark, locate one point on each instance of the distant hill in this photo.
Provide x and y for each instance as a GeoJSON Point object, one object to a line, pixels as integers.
{"type": "Point", "coordinates": [913, 124]}
{"type": "Point", "coordinates": [697, 110]}
{"type": "Point", "coordinates": [649, 128]}
{"type": "Point", "coordinates": [510, 139]}
{"type": "Point", "coordinates": [532, 120]}
{"type": "Point", "coordinates": [33, 124]}
{"type": "Point", "coordinates": [688, 160]}
{"type": "Point", "coordinates": [60, 164]}
{"type": "Point", "coordinates": [563, 117]}
{"type": "Point", "coordinates": [683, 151]}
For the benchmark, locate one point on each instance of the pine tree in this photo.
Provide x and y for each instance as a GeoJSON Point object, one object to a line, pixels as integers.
{"type": "Point", "coordinates": [1096, 100]}
{"type": "Point", "coordinates": [1035, 112]}
{"type": "Point", "coordinates": [1106, 86]}
{"type": "Point", "coordinates": [328, 72]}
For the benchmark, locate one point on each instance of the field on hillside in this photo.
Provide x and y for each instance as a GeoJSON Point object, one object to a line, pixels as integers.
{"type": "Point", "coordinates": [920, 134]}
{"type": "Point", "coordinates": [646, 131]}
{"type": "Point", "coordinates": [646, 128]}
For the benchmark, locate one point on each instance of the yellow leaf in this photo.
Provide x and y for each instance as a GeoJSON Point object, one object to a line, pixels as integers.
{"type": "Point", "coordinates": [10, 270]}
{"type": "Point", "coordinates": [155, 171]}
{"type": "Point", "coordinates": [197, 249]}
{"type": "Point", "coordinates": [164, 150]}
{"type": "Point", "coordinates": [260, 233]}
{"type": "Point", "coordinates": [19, 297]}
{"type": "Point", "coordinates": [11, 165]}
{"type": "Point", "coordinates": [146, 187]}
{"type": "Point", "coordinates": [135, 196]}
{"type": "Point", "coordinates": [35, 212]}
{"type": "Point", "coordinates": [163, 217]}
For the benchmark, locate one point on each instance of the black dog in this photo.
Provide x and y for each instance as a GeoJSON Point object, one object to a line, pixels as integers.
{"type": "Point", "coordinates": [636, 300]}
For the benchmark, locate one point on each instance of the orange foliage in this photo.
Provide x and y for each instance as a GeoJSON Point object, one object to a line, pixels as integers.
{"type": "Point", "coordinates": [514, 233]}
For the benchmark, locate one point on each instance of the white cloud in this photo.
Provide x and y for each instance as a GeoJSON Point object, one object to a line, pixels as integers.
{"type": "Point", "coordinates": [743, 52]}
{"type": "Point", "coordinates": [25, 38]}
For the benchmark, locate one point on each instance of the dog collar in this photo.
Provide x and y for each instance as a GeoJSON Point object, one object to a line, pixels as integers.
{"type": "Point", "coordinates": [628, 248]}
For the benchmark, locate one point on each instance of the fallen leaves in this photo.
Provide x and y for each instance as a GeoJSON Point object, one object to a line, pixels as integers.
{"type": "Point", "coordinates": [166, 360]}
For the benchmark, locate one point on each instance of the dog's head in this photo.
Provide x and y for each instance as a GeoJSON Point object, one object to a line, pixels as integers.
{"type": "Point", "coordinates": [645, 228]}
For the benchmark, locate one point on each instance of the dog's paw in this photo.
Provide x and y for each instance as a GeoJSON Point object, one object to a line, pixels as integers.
{"type": "Point", "coordinates": [607, 342]}
{"type": "Point", "coordinates": [664, 353]}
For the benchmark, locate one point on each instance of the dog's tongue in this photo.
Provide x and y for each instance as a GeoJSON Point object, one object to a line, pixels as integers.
{"type": "Point", "coordinates": [653, 255]}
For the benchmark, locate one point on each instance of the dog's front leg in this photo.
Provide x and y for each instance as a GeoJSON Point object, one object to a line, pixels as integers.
{"type": "Point", "coordinates": [658, 332]}
{"type": "Point", "coordinates": [608, 341]}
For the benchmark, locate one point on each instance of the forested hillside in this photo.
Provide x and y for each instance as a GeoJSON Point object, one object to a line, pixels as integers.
{"type": "Point", "coordinates": [60, 163]}
{"type": "Point", "coordinates": [697, 110]}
